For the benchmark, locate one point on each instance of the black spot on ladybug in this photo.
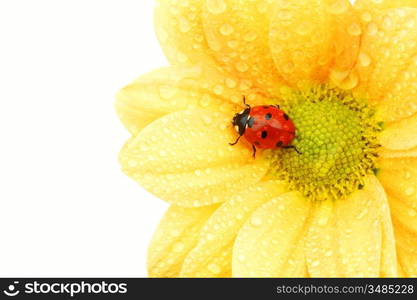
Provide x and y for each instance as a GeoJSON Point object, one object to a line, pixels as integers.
{"type": "Point", "coordinates": [286, 117]}
{"type": "Point", "coordinates": [268, 116]}
{"type": "Point", "coordinates": [251, 121]}
{"type": "Point", "coordinates": [264, 134]}
{"type": "Point", "coordinates": [279, 144]}
{"type": "Point", "coordinates": [257, 143]}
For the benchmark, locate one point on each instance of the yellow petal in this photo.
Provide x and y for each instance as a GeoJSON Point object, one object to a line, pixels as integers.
{"type": "Point", "coordinates": [387, 63]}
{"type": "Point", "coordinates": [180, 31]}
{"type": "Point", "coordinates": [400, 135]}
{"type": "Point", "coordinates": [386, 153]}
{"type": "Point", "coordinates": [212, 257]}
{"type": "Point", "coordinates": [369, 6]}
{"type": "Point", "coordinates": [344, 237]}
{"type": "Point", "coordinates": [406, 249]}
{"type": "Point", "coordinates": [172, 89]}
{"type": "Point", "coordinates": [398, 176]}
{"type": "Point", "coordinates": [175, 236]}
{"type": "Point", "coordinates": [307, 38]}
{"type": "Point", "coordinates": [389, 259]}
{"type": "Point", "coordinates": [185, 158]}
{"type": "Point", "coordinates": [270, 243]}
{"type": "Point", "coordinates": [404, 213]}
{"type": "Point", "coordinates": [237, 32]}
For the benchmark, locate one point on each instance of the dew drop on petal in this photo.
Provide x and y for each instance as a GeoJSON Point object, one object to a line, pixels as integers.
{"type": "Point", "coordinates": [256, 221]}
{"type": "Point", "coordinates": [242, 67]}
{"type": "Point", "coordinates": [364, 59]}
{"type": "Point", "coordinates": [226, 29]}
{"type": "Point", "coordinates": [412, 212]}
{"type": "Point", "coordinates": [167, 92]}
{"type": "Point", "coordinates": [175, 233]}
{"type": "Point", "coordinates": [178, 247]}
{"type": "Point", "coordinates": [214, 268]}
{"type": "Point", "coordinates": [355, 29]}
{"type": "Point", "coordinates": [387, 23]}
{"type": "Point", "coordinates": [230, 83]}
{"type": "Point", "coordinates": [366, 17]}
{"type": "Point", "coordinates": [216, 6]}
{"type": "Point", "coordinates": [409, 191]}
{"type": "Point", "coordinates": [205, 100]}
{"type": "Point", "coordinates": [241, 257]}
{"type": "Point", "coordinates": [338, 7]}
{"type": "Point", "coordinates": [372, 29]}
{"type": "Point", "coordinates": [250, 37]}
{"type": "Point", "coordinates": [323, 221]}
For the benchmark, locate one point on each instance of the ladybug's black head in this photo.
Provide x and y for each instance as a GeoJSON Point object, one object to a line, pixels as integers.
{"type": "Point", "coordinates": [240, 120]}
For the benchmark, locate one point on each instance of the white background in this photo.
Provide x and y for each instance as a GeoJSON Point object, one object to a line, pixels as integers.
{"type": "Point", "coordinates": [66, 209]}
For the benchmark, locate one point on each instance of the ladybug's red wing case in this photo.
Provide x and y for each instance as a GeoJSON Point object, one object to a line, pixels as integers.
{"type": "Point", "coordinates": [269, 127]}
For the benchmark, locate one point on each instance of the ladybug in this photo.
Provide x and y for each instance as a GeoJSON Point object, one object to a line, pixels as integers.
{"type": "Point", "coordinates": [265, 127]}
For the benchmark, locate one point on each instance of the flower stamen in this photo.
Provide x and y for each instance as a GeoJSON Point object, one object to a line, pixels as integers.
{"type": "Point", "coordinates": [337, 136]}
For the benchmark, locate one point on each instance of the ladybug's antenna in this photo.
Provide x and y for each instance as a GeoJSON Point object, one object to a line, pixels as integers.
{"type": "Point", "coordinates": [232, 144]}
{"type": "Point", "coordinates": [244, 102]}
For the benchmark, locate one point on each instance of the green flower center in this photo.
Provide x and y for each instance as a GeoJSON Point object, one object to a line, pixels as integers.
{"type": "Point", "coordinates": [337, 137]}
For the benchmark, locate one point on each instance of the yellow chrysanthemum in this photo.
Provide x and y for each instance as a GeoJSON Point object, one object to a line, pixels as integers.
{"type": "Point", "coordinates": [347, 76]}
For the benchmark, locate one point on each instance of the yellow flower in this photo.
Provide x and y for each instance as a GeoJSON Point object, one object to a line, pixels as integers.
{"type": "Point", "coordinates": [347, 76]}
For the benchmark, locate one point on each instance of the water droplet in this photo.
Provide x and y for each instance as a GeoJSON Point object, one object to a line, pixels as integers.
{"type": "Point", "coordinates": [288, 67]}
{"type": "Point", "coordinates": [323, 221]}
{"type": "Point", "coordinates": [216, 6]}
{"type": "Point", "coordinates": [230, 83]}
{"type": "Point", "coordinates": [366, 17]}
{"type": "Point", "coordinates": [364, 59]}
{"type": "Point", "coordinates": [242, 66]}
{"type": "Point", "coordinates": [205, 100]}
{"type": "Point", "coordinates": [250, 37]}
{"type": "Point", "coordinates": [218, 89]}
{"type": "Point", "coordinates": [167, 92]}
{"type": "Point", "coordinates": [162, 153]}
{"type": "Point", "coordinates": [184, 25]}
{"type": "Point", "coordinates": [256, 221]}
{"type": "Point", "coordinates": [175, 233]}
{"type": "Point", "coordinates": [387, 23]}
{"type": "Point", "coordinates": [350, 82]}
{"type": "Point", "coordinates": [355, 29]}
{"type": "Point", "coordinates": [362, 214]}
{"type": "Point", "coordinates": [315, 263]}
{"type": "Point", "coordinates": [214, 268]}
{"type": "Point", "coordinates": [412, 212]}
{"type": "Point", "coordinates": [226, 29]}
{"type": "Point", "coordinates": [239, 216]}
{"type": "Point", "coordinates": [284, 15]}
{"type": "Point", "coordinates": [210, 236]}
{"type": "Point", "coordinates": [372, 29]}
{"type": "Point", "coordinates": [304, 28]}
{"type": "Point", "coordinates": [178, 247]}
{"type": "Point", "coordinates": [409, 191]}
{"type": "Point", "coordinates": [132, 163]}
{"type": "Point", "coordinates": [339, 7]}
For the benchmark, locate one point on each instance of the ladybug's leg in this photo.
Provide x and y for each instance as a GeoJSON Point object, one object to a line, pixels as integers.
{"type": "Point", "coordinates": [232, 144]}
{"type": "Point", "coordinates": [292, 147]}
{"type": "Point", "coordinates": [277, 106]}
{"type": "Point", "coordinates": [254, 151]}
{"type": "Point", "coordinates": [244, 101]}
